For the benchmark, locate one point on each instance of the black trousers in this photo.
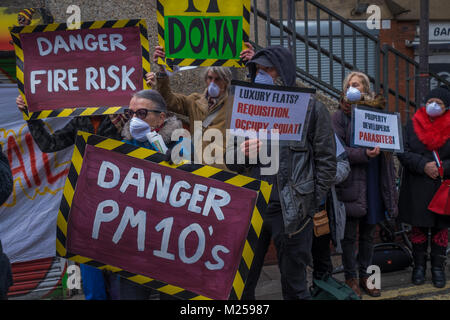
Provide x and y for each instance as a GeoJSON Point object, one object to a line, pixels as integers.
{"type": "Point", "coordinates": [321, 255]}
{"type": "Point", "coordinates": [293, 255]}
{"type": "Point", "coordinates": [350, 259]}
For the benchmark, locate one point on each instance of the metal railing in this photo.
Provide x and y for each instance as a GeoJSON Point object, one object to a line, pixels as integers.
{"type": "Point", "coordinates": [327, 47]}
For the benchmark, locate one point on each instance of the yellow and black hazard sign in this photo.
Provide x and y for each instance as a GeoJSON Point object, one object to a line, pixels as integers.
{"type": "Point", "coordinates": [64, 72]}
{"type": "Point", "coordinates": [73, 244]}
{"type": "Point", "coordinates": [203, 32]}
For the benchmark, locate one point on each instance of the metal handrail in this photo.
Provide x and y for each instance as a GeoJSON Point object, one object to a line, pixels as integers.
{"type": "Point", "coordinates": [300, 37]}
{"type": "Point", "coordinates": [330, 89]}
{"type": "Point", "coordinates": [342, 19]}
{"type": "Point", "coordinates": [381, 52]}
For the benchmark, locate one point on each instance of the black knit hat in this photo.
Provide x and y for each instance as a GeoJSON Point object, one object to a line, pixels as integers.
{"type": "Point", "coordinates": [441, 93]}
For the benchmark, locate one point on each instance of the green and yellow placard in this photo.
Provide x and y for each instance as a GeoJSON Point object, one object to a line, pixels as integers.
{"type": "Point", "coordinates": [203, 32]}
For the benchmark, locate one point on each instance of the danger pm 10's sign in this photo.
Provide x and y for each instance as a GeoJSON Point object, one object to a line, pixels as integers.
{"type": "Point", "coordinates": [188, 231]}
{"type": "Point", "coordinates": [88, 71]}
{"type": "Point", "coordinates": [374, 128]}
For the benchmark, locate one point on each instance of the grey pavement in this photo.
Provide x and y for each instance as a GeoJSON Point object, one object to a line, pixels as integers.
{"type": "Point", "coordinates": [394, 285]}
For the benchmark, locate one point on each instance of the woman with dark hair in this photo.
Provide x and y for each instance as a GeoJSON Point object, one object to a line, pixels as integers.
{"type": "Point", "coordinates": [428, 131]}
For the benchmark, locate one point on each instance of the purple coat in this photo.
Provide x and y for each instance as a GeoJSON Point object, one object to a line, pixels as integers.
{"type": "Point", "coordinates": [353, 191]}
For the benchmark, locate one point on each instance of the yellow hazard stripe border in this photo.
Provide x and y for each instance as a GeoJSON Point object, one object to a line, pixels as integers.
{"type": "Point", "coordinates": [88, 111]}
{"type": "Point", "coordinates": [170, 63]}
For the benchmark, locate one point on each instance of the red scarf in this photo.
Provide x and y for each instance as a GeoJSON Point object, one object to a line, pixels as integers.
{"type": "Point", "coordinates": [433, 134]}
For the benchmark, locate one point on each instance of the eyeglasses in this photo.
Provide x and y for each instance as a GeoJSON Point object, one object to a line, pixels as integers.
{"type": "Point", "coordinates": [140, 113]}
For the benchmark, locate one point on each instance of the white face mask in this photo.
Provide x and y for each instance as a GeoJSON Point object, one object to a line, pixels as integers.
{"type": "Point", "coordinates": [353, 94]}
{"type": "Point", "coordinates": [263, 77]}
{"type": "Point", "coordinates": [138, 129]}
{"type": "Point", "coordinates": [213, 90]}
{"type": "Point", "coordinates": [434, 110]}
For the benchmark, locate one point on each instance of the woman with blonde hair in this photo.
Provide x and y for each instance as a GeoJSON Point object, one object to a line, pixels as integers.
{"type": "Point", "coordinates": [369, 191]}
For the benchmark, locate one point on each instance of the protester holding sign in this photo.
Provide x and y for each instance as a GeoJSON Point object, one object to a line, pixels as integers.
{"type": "Point", "coordinates": [150, 126]}
{"type": "Point", "coordinates": [106, 125]}
{"type": "Point", "coordinates": [147, 114]}
{"type": "Point", "coordinates": [207, 107]}
{"type": "Point", "coordinates": [6, 185]}
{"type": "Point", "coordinates": [369, 191]}
{"type": "Point", "coordinates": [427, 132]}
{"type": "Point", "coordinates": [300, 186]}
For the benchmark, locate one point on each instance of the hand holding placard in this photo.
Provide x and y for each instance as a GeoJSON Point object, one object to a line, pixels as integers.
{"type": "Point", "coordinates": [373, 153]}
{"type": "Point", "coordinates": [431, 170]}
{"type": "Point", "coordinates": [251, 147]}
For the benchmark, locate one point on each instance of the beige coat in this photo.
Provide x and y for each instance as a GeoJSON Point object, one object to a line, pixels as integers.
{"type": "Point", "coordinates": [195, 106]}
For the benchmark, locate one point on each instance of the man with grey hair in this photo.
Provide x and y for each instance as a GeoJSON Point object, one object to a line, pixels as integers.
{"type": "Point", "coordinates": [206, 107]}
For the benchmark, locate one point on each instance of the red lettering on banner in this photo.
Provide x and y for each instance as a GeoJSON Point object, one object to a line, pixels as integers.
{"type": "Point", "coordinates": [13, 152]}
{"type": "Point", "coordinates": [48, 171]}
{"type": "Point", "coordinates": [30, 144]}
{"type": "Point", "coordinates": [12, 146]}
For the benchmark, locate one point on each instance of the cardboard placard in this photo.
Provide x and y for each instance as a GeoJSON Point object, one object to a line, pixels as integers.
{"type": "Point", "coordinates": [372, 128]}
{"type": "Point", "coordinates": [203, 32]}
{"type": "Point", "coordinates": [82, 72]}
{"type": "Point", "coordinates": [265, 107]}
{"type": "Point", "coordinates": [186, 230]}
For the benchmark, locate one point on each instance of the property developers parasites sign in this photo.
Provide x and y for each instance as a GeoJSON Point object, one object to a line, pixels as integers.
{"type": "Point", "coordinates": [372, 128]}
{"type": "Point", "coordinates": [261, 107]}
{"type": "Point", "coordinates": [81, 68]}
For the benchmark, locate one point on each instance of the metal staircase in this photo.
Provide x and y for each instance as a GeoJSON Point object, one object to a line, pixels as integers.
{"type": "Point", "coordinates": [327, 46]}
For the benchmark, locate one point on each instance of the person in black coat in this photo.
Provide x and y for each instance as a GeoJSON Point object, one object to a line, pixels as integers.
{"type": "Point", "coordinates": [428, 130]}
{"type": "Point", "coordinates": [6, 185]}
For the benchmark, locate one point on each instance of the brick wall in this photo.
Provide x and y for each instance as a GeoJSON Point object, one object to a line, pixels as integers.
{"type": "Point", "coordinates": [396, 37]}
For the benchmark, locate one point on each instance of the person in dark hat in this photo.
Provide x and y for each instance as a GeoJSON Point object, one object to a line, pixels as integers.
{"type": "Point", "coordinates": [300, 186]}
{"type": "Point", "coordinates": [427, 132]}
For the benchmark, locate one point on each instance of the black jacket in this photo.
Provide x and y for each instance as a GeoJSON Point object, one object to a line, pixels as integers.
{"type": "Point", "coordinates": [6, 185]}
{"type": "Point", "coordinates": [305, 173]}
{"type": "Point", "coordinates": [65, 137]}
{"type": "Point", "coordinates": [6, 180]}
{"type": "Point", "coordinates": [417, 189]}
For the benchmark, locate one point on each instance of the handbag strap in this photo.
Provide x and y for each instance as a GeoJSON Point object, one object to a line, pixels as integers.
{"type": "Point", "coordinates": [439, 164]}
